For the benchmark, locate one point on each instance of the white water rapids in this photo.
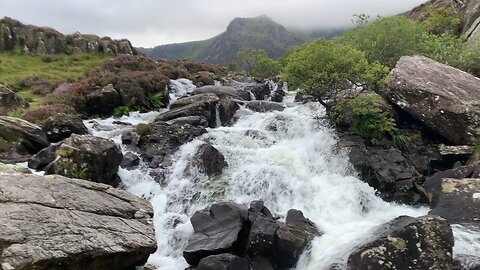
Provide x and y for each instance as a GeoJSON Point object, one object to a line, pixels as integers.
{"type": "Point", "coordinates": [288, 159]}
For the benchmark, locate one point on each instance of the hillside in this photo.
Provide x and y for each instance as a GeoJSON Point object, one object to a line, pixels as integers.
{"type": "Point", "coordinates": [242, 33]}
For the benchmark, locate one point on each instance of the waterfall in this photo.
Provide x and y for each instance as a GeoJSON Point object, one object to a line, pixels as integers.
{"type": "Point", "coordinates": [288, 159]}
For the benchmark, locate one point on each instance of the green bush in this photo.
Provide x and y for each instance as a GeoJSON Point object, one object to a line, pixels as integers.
{"type": "Point", "coordinates": [363, 116]}
{"type": "Point", "coordinates": [121, 111]}
{"type": "Point", "coordinates": [323, 68]}
{"type": "Point", "coordinates": [400, 141]}
{"type": "Point", "coordinates": [156, 100]}
{"type": "Point", "coordinates": [257, 64]}
{"type": "Point", "coordinates": [441, 21]}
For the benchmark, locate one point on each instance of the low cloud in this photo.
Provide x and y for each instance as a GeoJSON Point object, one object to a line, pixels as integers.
{"type": "Point", "coordinates": [152, 22]}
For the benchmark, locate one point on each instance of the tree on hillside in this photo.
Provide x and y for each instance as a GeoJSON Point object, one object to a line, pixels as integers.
{"type": "Point", "coordinates": [324, 68]}
{"type": "Point", "coordinates": [257, 63]}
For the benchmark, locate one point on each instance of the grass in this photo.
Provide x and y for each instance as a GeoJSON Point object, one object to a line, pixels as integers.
{"type": "Point", "coordinates": [60, 67]}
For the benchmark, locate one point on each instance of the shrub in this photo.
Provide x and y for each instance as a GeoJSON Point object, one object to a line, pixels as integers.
{"type": "Point", "coordinates": [73, 95]}
{"type": "Point", "coordinates": [40, 114]}
{"type": "Point", "coordinates": [156, 100]}
{"type": "Point", "coordinates": [363, 116]}
{"type": "Point", "coordinates": [441, 21]}
{"type": "Point", "coordinates": [256, 63]}
{"type": "Point", "coordinates": [400, 141]}
{"type": "Point", "coordinates": [144, 129]}
{"type": "Point", "coordinates": [120, 111]}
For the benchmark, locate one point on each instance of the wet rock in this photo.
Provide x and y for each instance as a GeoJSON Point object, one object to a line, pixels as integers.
{"type": "Point", "coordinates": [13, 169]}
{"type": "Point", "coordinates": [203, 105]}
{"type": "Point", "coordinates": [290, 242]}
{"type": "Point", "coordinates": [433, 184]}
{"type": "Point", "coordinates": [60, 127]}
{"type": "Point", "coordinates": [264, 106]}
{"type": "Point", "coordinates": [260, 90]}
{"type": "Point", "coordinates": [407, 243]}
{"type": "Point", "coordinates": [223, 262]}
{"type": "Point", "coordinates": [386, 170]}
{"type": "Point", "coordinates": [258, 208]}
{"type": "Point", "coordinates": [219, 91]}
{"type": "Point", "coordinates": [103, 101]}
{"type": "Point", "coordinates": [130, 161]}
{"type": "Point", "coordinates": [262, 236]}
{"type": "Point", "coordinates": [129, 138]}
{"type": "Point", "coordinates": [164, 140]}
{"type": "Point", "coordinates": [212, 161]}
{"type": "Point", "coordinates": [197, 121]}
{"type": "Point", "coordinates": [302, 97]}
{"type": "Point", "coordinates": [55, 222]}
{"type": "Point", "coordinates": [19, 139]}
{"type": "Point", "coordinates": [295, 218]}
{"type": "Point", "coordinates": [216, 231]}
{"type": "Point", "coordinates": [261, 263]}
{"type": "Point", "coordinates": [277, 96]}
{"type": "Point", "coordinates": [456, 194]}
{"type": "Point", "coordinates": [227, 109]}
{"type": "Point", "coordinates": [9, 101]}
{"type": "Point", "coordinates": [46, 156]}
{"type": "Point", "coordinates": [87, 157]}
{"type": "Point", "coordinates": [445, 99]}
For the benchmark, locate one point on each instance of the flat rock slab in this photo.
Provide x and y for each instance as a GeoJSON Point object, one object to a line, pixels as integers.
{"type": "Point", "coordinates": [54, 222]}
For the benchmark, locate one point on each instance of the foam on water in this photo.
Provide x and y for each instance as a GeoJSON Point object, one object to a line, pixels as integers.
{"type": "Point", "coordinates": [288, 159]}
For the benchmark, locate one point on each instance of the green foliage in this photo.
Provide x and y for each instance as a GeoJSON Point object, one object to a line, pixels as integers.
{"type": "Point", "coordinates": [156, 99]}
{"type": "Point", "coordinates": [80, 172]}
{"type": "Point", "coordinates": [144, 129]}
{"type": "Point", "coordinates": [476, 154]}
{"type": "Point", "coordinates": [400, 141]}
{"type": "Point", "coordinates": [232, 66]}
{"type": "Point", "coordinates": [363, 116]}
{"type": "Point", "coordinates": [17, 112]}
{"type": "Point", "coordinates": [441, 21]}
{"type": "Point", "coordinates": [68, 49]}
{"type": "Point", "coordinates": [17, 50]}
{"type": "Point", "coordinates": [256, 63]}
{"type": "Point", "coordinates": [5, 145]}
{"type": "Point", "coordinates": [324, 68]}
{"type": "Point", "coordinates": [121, 111]}
{"type": "Point", "coordinates": [386, 39]}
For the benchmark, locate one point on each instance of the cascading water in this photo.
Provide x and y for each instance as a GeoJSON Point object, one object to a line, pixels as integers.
{"type": "Point", "coordinates": [288, 159]}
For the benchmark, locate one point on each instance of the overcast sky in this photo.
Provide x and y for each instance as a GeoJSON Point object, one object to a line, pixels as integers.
{"type": "Point", "coordinates": [149, 23]}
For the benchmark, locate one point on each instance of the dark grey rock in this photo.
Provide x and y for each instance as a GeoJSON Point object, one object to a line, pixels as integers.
{"type": "Point", "coordinates": [264, 106]}
{"type": "Point", "coordinates": [223, 262]}
{"type": "Point", "coordinates": [60, 127]}
{"type": "Point", "coordinates": [212, 161]}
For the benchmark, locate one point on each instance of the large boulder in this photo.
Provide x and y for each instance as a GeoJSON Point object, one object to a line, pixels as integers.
{"type": "Point", "coordinates": [9, 100]}
{"type": "Point", "coordinates": [61, 126]}
{"type": "Point", "coordinates": [445, 99]}
{"type": "Point", "coordinates": [87, 157]}
{"type": "Point", "coordinates": [19, 139]}
{"type": "Point", "coordinates": [407, 243]}
{"type": "Point", "coordinates": [54, 222]}
{"type": "Point", "coordinates": [226, 110]}
{"type": "Point", "coordinates": [219, 91]}
{"type": "Point", "coordinates": [103, 101]}
{"type": "Point", "coordinates": [264, 106]}
{"type": "Point", "coordinates": [223, 262]}
{"type": "Point", "coordinates": [216, 231]}
{"type": "Point", "coordinates": [259, 90]}
{"type": "Point", "coordinates": [203, 105]}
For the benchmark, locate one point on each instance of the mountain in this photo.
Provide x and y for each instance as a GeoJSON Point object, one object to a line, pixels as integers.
{"type": "Point", "coordinates": [242, 33]}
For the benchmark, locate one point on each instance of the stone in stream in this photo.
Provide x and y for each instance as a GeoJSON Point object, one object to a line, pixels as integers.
{"type": "Point", "coordinates": [54, 222]}
{"type": "Point", "coordinates": [204, 105]}
{"type": "Point", "coordinates": [250, 233]}
{"type": "Point", "coordinates": [264, 106]}
{"type": "Point", "coordinates": [103, 101]}
{"type": "Point", "coordinates": [407, 243]}
{"type": "Point", "coordinates": [219, 91]}
{"type": "Point", "coordinates": [223, 262]}
{"type": "Point", "coordinates": [212, 161]}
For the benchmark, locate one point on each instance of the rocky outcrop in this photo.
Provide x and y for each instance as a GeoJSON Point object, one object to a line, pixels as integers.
{"type": "Point", "coordinates": [9, 101]}
{"type": "Point", "coordinates": [259, 90]}
{"type": "Point", "coordinates": [103, 101]}
{"type": "Point", "coordinates": [19, 139]}
{"type": "Point", "coordinates": [444, 99]}
{"type": "Point", "coordinates": [61, 126]}
{"type": "Point", "coordinates": [224, 262]}
{"type": "Point", "coordinates": [264, 106]}
{"type": "Point", "coordinates": [87, 157]}
{"type": "Point", "coordinates": [44, 40]}
{"type": "Point", "coordinates": [407, 243]}
{"type": "Point", "coordinates": [248, 234]}
{"type": "Point", "coordinates": [203, 105]}
{"type": "Point", "coordinates": [54, 222]}
{"type": "Point", "coordinates": [219, 91]}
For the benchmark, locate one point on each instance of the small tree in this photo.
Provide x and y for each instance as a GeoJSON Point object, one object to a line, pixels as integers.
{"type": "Point", "coordinates": [257, 63]}
{"type": "Point", "coordinates": [323, 68]}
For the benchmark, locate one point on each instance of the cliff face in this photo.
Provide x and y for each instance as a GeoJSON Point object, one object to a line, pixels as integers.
{"type": "Point", "coordinates": [467, 10]}
{"type": "Point", "coordinates": [43, 40]}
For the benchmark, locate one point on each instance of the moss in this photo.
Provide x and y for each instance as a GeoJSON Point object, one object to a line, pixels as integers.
{"type": "Point", "coordinates": [5, 145]}
{"type": "Point", "coordinates": [144, 129]}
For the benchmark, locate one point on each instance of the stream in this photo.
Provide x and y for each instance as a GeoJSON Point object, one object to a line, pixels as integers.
{"type": "Point", "coordinates": [289, 159]}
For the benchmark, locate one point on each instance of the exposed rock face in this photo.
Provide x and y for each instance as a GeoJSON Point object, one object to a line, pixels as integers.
{"type": "Point", "coordinates": [252, 234]}
{"type": "Point", "coordinates": [219, 91]}
{"type": "Point", "coordinates": [60, 127]}
{"type": "Point", "coordinates": [212, 161]}
{"type": "Point", "coordinates": [19, 139]}
{"type": "Point", "coordinates": [203, 105]}
{"type": "Point", "coordinates": [259, 90]}
{"type": "Point", "coordinates": [445, 99]}
{"type": "Point", "coordinates": [43, 40]}
{"type": "Point", "coordinates": [54, 222]}
{"type": "Point", "coordinates": [226, 110]}
{"type": "Point", "coordinates": [264, 106]}
{"type": "Point", "coordinates": [87, 157]}
{"type": "Point", "coordinates": [9, 100]}
{"type": "Point", "coordinates": [407, 243]}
